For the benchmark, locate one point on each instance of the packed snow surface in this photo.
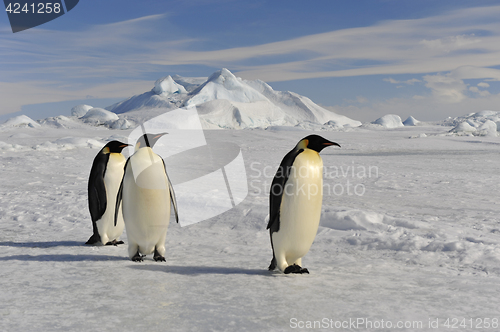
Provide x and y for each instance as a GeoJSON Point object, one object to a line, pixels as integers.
{"type": "Point", "coordinates": [409, 234]}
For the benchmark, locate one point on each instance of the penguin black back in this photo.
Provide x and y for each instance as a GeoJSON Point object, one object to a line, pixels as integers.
{"type": "Point", "coordinates": [313, 142]}
{"type": "Point", "coordinates": [96, 187]}
{"type": "Point", "coordinates": [278, 186]}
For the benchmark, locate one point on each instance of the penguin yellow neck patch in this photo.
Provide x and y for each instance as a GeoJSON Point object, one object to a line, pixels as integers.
{"type": "Point", "coordinates": [106, 150]}
{"type": "Point", "coordinates": [303, 144]}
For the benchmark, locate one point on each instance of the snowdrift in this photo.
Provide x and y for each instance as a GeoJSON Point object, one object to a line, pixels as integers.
{"type": "Point", "coordinates": [389, 121]}
{"type": "Point", "coordinates": [80, 110]}
{"type": "Point", "coordinates": [20, 121]}
{"type": "Point", "coordinates": [100, 116]}
{"type": "Point", "coordinates": [411, 121]}
{"type": "Point", "coordinates": [484, 123]}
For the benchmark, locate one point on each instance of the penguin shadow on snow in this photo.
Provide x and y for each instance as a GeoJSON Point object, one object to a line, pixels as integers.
{"type": "Point", "coordinates": [62, 258]}
{"type": "Point", "coordinates": [46, 244]}
{"type": "Point", "coordinates": [200, 270]}
{"type": "Point", "coordinates": [54, 257]}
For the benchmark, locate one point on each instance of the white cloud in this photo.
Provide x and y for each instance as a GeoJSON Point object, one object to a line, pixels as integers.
{"type": "Point", "coordinates": [461, 44]}
{"type": "Point", "coordinates": [408, 82]}
{"type": "Point", "coordinates": [451, 88]}
{"type": "Point", "coordinates": [482, 93]}
{"type": "Point", "coordinates": [446, 88]}
{"type": "Point", "coordinates": [424, 45]}
{"type": "Point", "coordinates": [361, 99]}
{"type": "Point", "coordinates": [391, 80]}
{"type": "Point", "coordinates": [15, 95]}
{"type": "Point", "coordinates": [391, 47]}
{"type": "Point", "coordinates": [474, 72]}
{"type": "Point", "coordinates": [451, 43]}
{"type": "Point", "coordinates": [412, 81]}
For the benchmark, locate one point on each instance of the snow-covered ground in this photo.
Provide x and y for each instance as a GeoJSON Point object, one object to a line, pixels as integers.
{"type": "Point", "coordinates": [410, 234]}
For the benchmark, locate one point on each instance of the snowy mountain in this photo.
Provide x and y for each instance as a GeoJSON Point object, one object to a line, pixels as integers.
{"type": "Point", "coordinates": [226, 101]}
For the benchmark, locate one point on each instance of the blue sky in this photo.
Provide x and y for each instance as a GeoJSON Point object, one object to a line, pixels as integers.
{"type": "Point", "coordinates": [363, 59]}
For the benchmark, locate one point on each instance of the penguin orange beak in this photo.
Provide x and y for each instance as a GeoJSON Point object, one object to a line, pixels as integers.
{"type": "Point", "coordinates": [124, 145]}
{"type": "Point", "coordinates": [331, 143]}
{"type": "Point", "coordinates": [160, 135]}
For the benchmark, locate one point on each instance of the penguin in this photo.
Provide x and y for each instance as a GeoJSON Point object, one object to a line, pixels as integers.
{"type": "Point", "coordinates": [145, 194]}
{"type": "Point", "coordinates": [104, 181]}
{"type": "Point", "coordinates": [295, 201]}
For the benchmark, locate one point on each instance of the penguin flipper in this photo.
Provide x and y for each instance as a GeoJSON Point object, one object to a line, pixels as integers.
{"type": "Point", "coordinates": [278, 187]}
{"type": "Point", "coordinates": [97, 188]}
{"type": "Point", "coordinates": [172, 194]}
{"type": "Point", "coordinates": [119, 195]}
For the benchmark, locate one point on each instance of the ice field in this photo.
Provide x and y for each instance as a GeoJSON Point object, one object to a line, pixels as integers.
{"type": "Point", "coordinates": [409, 237]}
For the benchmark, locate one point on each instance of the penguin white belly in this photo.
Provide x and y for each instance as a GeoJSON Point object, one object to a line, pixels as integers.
{"type": "Point", "coordinates": [300, 210]}
{"type": "Point", "coordinates": [112, 179]}
{"type": "Point", "coordinates": [146, 203]}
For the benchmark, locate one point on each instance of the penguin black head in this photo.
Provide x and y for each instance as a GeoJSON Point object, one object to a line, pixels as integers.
{"type": "Point", "coordinates": [148, 140]}
{"type": "Point", "coordinates": [114, 147]}
{"type": "Point", "coordinates": [315, 142]}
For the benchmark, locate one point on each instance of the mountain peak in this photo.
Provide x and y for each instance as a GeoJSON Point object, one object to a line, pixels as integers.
{"type": "Point", "coordinates": [224, 85]}
{"type": "Point", "coordinates": [220, 76]}
{"type": "Point", "coordinates": [167, 85]}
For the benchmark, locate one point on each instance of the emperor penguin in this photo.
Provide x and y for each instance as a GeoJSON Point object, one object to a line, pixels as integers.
{"type": "Point", "coordinates": [145, 195]}
{"type": "Point", "coordinates": [295, 201]}
{"type": "Point", "coordinates": [105, 178]}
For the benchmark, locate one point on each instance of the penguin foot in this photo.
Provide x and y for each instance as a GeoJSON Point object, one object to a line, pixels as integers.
{"type": "Point", "coordinates": [158, 258]}
{"type": "Point", "coordinates": [114, 243]}
{"type": "Point", "coordinates": [94, 240]}
{"type": "Point", "coordinates": [272, 266]}
{"type": "Point", "coordinates": [296, 269]}
{"type": "Point", "coordinates": [137, 257]}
